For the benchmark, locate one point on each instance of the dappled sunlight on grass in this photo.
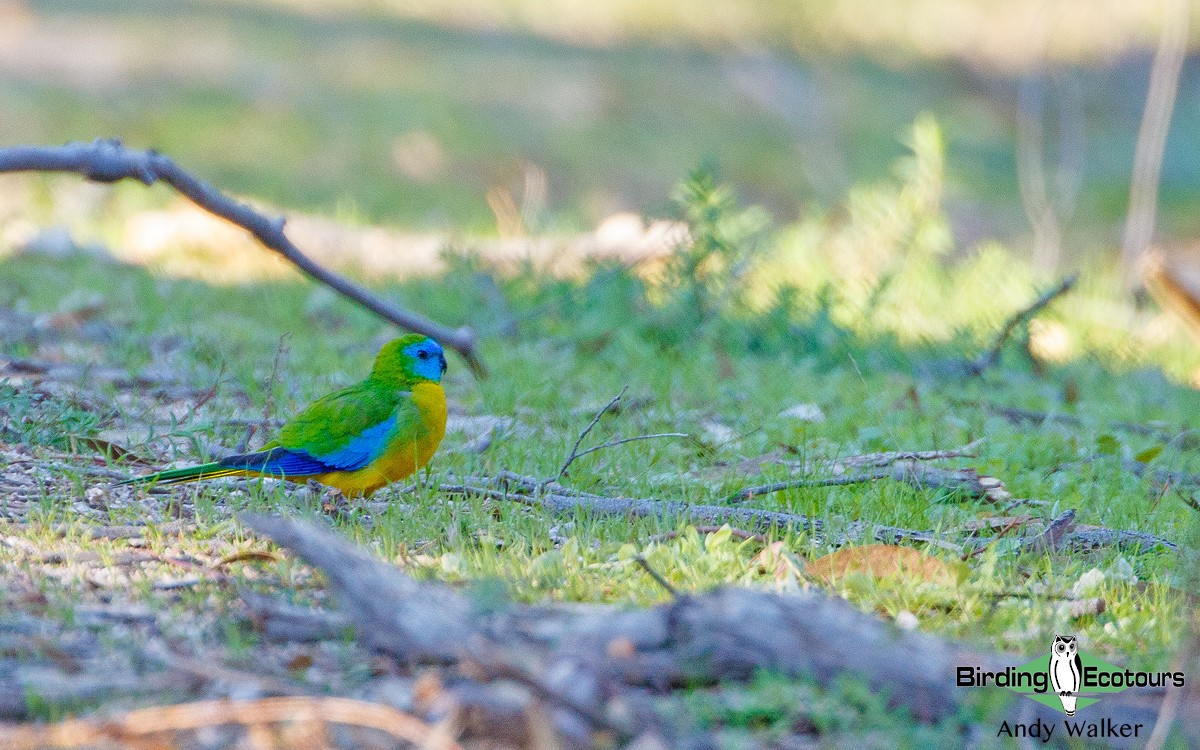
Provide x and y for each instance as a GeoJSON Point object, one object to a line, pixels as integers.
{"type": "Point", "coordinates": [803, 329]}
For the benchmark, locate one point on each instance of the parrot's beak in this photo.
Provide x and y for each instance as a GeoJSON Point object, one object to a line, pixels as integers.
{"type": "Point", "coordinates": [442, 357]}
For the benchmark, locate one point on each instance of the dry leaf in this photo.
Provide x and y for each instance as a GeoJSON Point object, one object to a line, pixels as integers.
{"type": "Point", "coordinates": [77, 316]}
{"type": "Point", "coordinates": [881, 561]}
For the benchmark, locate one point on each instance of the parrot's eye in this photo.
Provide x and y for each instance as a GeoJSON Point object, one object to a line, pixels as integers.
{"type": "Point", "coordinates": [422, 354]}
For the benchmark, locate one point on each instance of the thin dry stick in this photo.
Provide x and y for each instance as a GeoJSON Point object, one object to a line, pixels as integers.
{"type": "Point", "coordinates": [885, 458]}
{"type": "Point", "coordinates": [749, 493]}
{"type": "Point", "coordinates": [1181, 439]}
{"type": "Point", "coordinates": [108, 160]}
{"type": "Point", "coordinates": [565, 501]}
{"type": "Point", "coordinates": [1152, 135]}
{"type": "Point", "coordinates": [281, 351]}
{"type": "Point", "coordinates": [206, 396]}
{"type": "Point", "coordinates": [1014, 523]}
{"type": "Point", "coordinates": [1189, 500]}
{"type": "Point", "coordinates": [658, 578]}
{"type": "Point", "coordinates": [561, 500]}
{"type": "Point", "coordinates": [79, 733]}
{"type": "Point", "coordinates": [591, 425]}
{"type": "Point", "coordinates": [991, 356]}
{"type": "Point", "coordinates": [894, 465]}
{"type": "Point", "coordinates": [622, 441]}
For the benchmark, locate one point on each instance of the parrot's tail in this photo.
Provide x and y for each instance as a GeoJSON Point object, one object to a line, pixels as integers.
{"type": "Point", "coordinates": [187, 474]}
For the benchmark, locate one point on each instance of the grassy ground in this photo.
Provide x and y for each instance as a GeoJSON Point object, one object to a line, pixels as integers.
{"type": "Point", "coordinates": [831, 319]}
{"type": "Point", "coordinates": [178, 370]}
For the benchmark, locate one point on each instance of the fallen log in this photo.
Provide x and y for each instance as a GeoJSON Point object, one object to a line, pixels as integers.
{"type": "Point", "coordinates": [591, 663]}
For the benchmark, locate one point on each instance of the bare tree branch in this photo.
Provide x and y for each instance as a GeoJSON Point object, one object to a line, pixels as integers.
{"type": "Point", "coordinates": [601, 658]}
{"type": "Point", "coordinates": [110, 161]}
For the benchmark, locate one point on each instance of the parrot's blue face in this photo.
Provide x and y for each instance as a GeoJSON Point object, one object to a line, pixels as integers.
{"type": "Point", "coordinates": [427, 359]}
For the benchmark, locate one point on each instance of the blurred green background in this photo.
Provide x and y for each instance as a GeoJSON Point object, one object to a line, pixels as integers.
{"type": "Point", "coordinates": [408, 113]}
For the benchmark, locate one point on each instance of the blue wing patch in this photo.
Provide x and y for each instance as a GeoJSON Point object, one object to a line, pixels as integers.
{"type": "Point", "coordinates": [361, 450]}
{"type": "Point", "coordinates": [278, 462]}
{"type": "Point", "coordinates": [294, 462]}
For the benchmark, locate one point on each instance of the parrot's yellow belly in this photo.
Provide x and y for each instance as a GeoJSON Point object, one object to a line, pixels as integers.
{"type": "Point", "coordinates": [405, 454]}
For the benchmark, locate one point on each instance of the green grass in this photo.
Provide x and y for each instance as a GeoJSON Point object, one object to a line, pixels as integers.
{"type": "Point", "coordinates": [877, 392]}
{"type": "Point", "coordinates": [867, 313]}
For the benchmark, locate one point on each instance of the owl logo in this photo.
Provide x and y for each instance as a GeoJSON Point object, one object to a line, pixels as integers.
{"type": "Point", "coordinates": [1066, 670]}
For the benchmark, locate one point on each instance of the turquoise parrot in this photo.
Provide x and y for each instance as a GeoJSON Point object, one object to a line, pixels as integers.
{"type": "Point", "coordinates": [358, 439]}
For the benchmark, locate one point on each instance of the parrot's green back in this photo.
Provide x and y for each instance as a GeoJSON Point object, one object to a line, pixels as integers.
{"type": "Point", "coordinates": [331, 421]}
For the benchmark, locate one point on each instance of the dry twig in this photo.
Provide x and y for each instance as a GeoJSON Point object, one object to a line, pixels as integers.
{"type": "Point", "coordinates": [281, 352]}
{"type": "Point", "coordinates": [923, 477]}
{"type": "Point", "coordinates": [635, 438]}
{"type": "Point", "coordinates": [991, 356]}
{"type": "Point", "coordinates": [887, 458]}
{"type": "Point", "coordinates": [658, 577]}
{"type": "Point", "coordinates": [591, 425]}
{"type": "Point", "coordinates": [1186, 438]}
{"type": "Point", "coordinates": [562, 501]}
{"type": "Point", "coordinates": [554, 498]}
{"type": "Point", "coordinates": [1017, 415]}
{"type": "Point", "coordinates": [108, 160]}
